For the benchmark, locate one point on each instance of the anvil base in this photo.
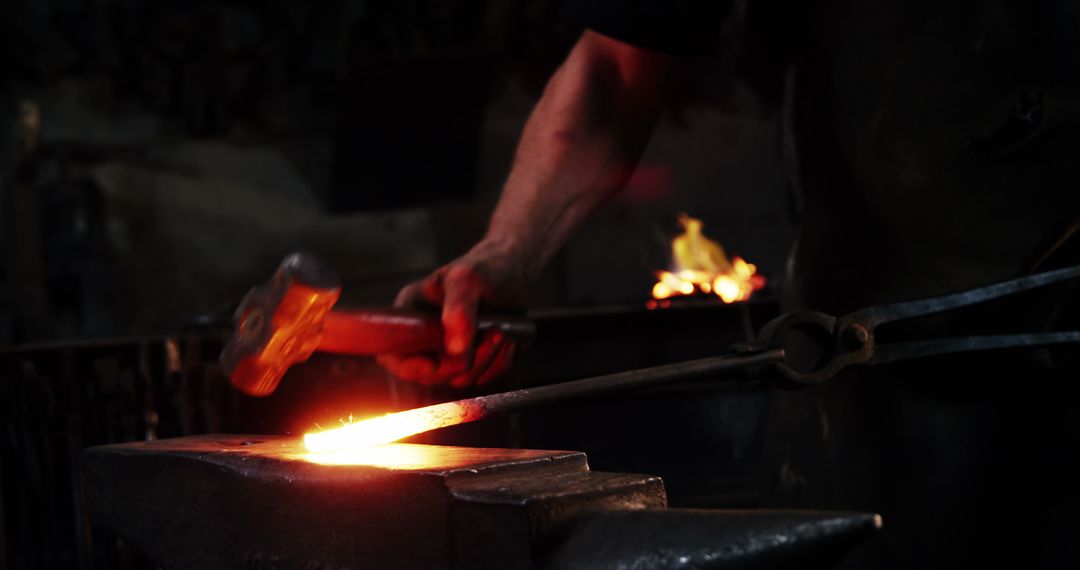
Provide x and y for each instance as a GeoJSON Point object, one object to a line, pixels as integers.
{"type": "Point", "coordinates": [228, 501]}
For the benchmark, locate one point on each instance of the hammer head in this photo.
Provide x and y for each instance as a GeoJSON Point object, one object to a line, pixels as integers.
{"type": "Point", "coordinates": [279, 323]}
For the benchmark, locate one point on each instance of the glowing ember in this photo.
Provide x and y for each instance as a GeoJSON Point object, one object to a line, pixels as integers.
{"type": "Point", "coordinates": [701, 265]}
{"type": "Point", "coordinates": [388, 428]}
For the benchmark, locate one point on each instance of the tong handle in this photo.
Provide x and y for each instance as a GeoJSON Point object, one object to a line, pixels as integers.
{"type": "Point", "coordinates": [871, 317]}
{"type": "Point", "coordinates": [895, 352]}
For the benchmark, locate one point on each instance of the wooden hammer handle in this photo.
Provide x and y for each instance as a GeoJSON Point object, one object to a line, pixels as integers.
{"type": "Point", "coordinates": [401, 331]}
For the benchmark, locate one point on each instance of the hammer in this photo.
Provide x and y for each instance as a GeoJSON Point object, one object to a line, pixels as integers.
{"type": "Point", "coordinates": [285, 320]}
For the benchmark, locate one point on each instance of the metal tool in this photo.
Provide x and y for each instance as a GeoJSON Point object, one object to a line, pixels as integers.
{"type": "Point", "coordinates": [817, 346]}
{"type": "Point", "coordinates": [407, 506]}
{"type": "Point", "coordinates": [707, 539]}
{"type": "Point", "coordinates": [284, 321]}
{"type": "Point", "coordinates": [805, 347]}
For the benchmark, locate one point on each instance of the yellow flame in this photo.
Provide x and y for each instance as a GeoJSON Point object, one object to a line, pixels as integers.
{"type": "Point", "coordinates": [388, 428]}
{"type": "Point", "coordinates": [702, 265]}
{"type": "Point", "coordinates": [696, 253]}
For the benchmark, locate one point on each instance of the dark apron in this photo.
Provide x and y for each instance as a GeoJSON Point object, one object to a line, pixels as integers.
{"type": "Point", "coordinates": [938, 149]}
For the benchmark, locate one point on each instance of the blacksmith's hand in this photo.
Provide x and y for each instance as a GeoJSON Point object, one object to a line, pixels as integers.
{"type": "Point", "coordinates": [488, 276]}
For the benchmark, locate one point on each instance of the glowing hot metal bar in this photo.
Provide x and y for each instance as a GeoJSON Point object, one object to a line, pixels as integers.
{"type": "Point", "coordinates": [392, 427]}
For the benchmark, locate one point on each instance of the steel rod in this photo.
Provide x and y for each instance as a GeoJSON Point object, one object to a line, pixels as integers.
{"type": "Point", "coordinates": [515, 400]}
{"type": "Point", "coordinates": [393, 427]}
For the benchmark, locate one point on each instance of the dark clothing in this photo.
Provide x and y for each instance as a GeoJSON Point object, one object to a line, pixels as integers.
{"type": "Point", "coordinates": [673, 26]}
{"type": "Point", "coordinates": [937, 145]}
{"type": "Point", "coordinates": [936, 148]}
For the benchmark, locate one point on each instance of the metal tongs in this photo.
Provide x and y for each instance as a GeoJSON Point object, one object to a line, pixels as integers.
{"type": "Point", "coordinates": [817, 346]}
{"type": "Point", "coordinates": [806, 347]}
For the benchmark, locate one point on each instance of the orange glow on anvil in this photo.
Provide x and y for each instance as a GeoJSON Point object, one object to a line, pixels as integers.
{"type": "Point", "coordinates": [392, 455]}
{"type": "Point", "coordinates": [391, 427]}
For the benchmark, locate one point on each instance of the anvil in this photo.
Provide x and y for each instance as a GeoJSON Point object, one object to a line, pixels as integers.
{"type": "Point", "coordinates": [255, 502]}
{"type": "Point", "coordinates": [227, 501]}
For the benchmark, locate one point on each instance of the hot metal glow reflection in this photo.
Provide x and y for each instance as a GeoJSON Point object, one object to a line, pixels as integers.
{"type": "Point", "coordinates": [389, 428]}
{"type": "Point", "coordinates": [393, 455]}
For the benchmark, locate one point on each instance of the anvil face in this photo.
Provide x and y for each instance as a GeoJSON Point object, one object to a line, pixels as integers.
{"type": "Point", "coordinates": [256, 501]}
{"type": "Point", "coordinates": [255, 454]}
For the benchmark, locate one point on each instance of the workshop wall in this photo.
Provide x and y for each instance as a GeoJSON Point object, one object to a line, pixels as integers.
{"type": "Point", "coordinates": [184, 147]}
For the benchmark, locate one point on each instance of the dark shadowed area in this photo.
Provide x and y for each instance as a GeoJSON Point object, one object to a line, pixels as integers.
{"type": "Point", "coordinates": [158, 159]}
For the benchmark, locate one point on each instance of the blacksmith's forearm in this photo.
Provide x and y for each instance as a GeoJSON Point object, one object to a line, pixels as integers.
{"type": "Point", "coordinates": [580, 145]}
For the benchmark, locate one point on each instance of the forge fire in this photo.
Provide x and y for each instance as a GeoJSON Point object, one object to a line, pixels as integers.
{"type": "Point", "coordinates": [700, 265]}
